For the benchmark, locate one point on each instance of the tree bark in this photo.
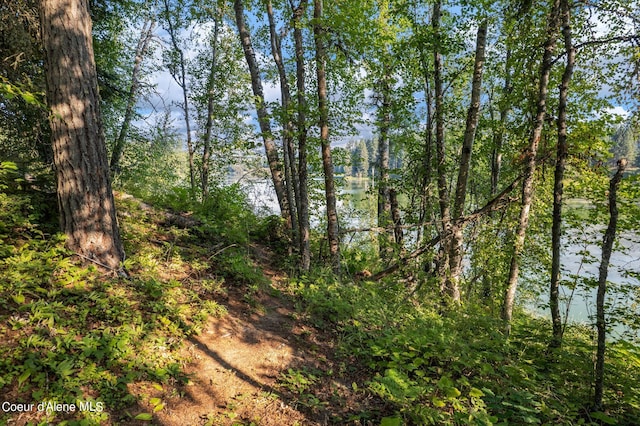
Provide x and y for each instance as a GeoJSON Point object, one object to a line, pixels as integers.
{"type": "Point", "coordinates": [330, 191]}
{"type": "Point", "coordinates": [607, 247]}
{"type": "Point", "coordinates": [530, 167]}
{"type": "Point", "coordinates": [301, 123]}
{"type": "Point", "coordinates": [384, 200]}
{"type": "Point", "coordinates": [263, 116]}
{"type": "Point", "coordinates": [181, 79]}
{"type": "Point", "coordinates": [456, 250]}
{"type": "Point", "coordinates": [85, 197]}
{"type": "Point", "coordinates": [561, 161]}
{"type": "Point", "coordinates": [289, 131]}
{"type": "Point", "coordinates": [498, 137]}
{"type": "Point", "coordinates": [441, 168]}
{"type": "Point", "coordinates": [141, 50]}
{"type": "Point", "coordinates": [208, 128]}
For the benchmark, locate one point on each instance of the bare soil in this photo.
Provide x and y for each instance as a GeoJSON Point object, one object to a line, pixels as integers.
{"type": "Point", "coordinates": [262, 364]}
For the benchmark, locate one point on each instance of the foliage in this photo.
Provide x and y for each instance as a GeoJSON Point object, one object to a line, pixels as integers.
{"type": "Point", "coordinates": [456, 367]}
{"type": "Point", "coordinates": [71, 335]}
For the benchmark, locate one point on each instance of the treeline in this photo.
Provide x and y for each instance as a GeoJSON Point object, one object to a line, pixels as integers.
{"type": "Point", "coordinates": [361, 160]}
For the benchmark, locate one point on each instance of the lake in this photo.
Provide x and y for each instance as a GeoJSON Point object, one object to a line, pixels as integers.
{"type": "Point", "coordinates": [581, 251]}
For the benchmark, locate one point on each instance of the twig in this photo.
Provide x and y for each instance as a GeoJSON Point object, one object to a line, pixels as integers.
{"type": "Point", "coordinates": [221, 250]}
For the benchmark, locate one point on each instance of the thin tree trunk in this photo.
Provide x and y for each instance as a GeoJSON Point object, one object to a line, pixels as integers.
{"type": "Point", "coordinates": [607, 247]}
{"type": "Point", "coordinates": [85, 198]}
{"type": "Point", "coordinates": [456, 251]}
{"type": "Point", "coordinates": [263, 116]}
{"type": "Point", "coordinates": [330, 191]}
{"type": "Point", "coordinates": [181, 79]}
{"type": "Point", "coordinates": [530, 167]}
{"type": "Point", "coordinates": [561, 161]}
{"type": "Point", "coordinates": [384, 201]}
{"type": "Point", "coordinates": [289, 131]}
{"type": "Point", "coordinates": [441, 169]}
{"type": "Point", "coordinates": [141, 50]}
{"type": "Point", "coordinates": [303, 205]}
{"type": "Point", "coordinates": [208, 128]}
{"type": "Point", "coordinates": [498, 137]}
{"type": "Point", "coordinates": [426, 192]}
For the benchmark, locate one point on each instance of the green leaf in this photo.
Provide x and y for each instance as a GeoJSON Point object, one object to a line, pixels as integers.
{"type": "Point", "coordinates": [144, 416]}
{"type": "Point", "coordinates": [158, 408]}
{"type": "Point", "coordinates": [599, 415]}
{"type": "Point", "coordinates": [391, 421]}
{"type": "Point", "coordinates": [155, 401]}
{"type": "Point", "coordinates": [475, 392]}
{"type": "Point", "coordinates": [452, 392]}
{"type": "Point", "coordinates": [23, 377]}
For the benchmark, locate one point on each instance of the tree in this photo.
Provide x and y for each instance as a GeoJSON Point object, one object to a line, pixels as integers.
{"type": "Point", "coordinates": [323, 108]}
{"type": "Point", "coordinates": [142, 48]}
{"type": "Point", "coordinates": [456, 249]}
{"type": "Point", "coordinates": [607, 247]}
{"type": "Point", "coordinates": [178, 70]}
{"type": "Point", "coordinates": [301, 123]}
{"type": "Point", "coordinates": [85, 198]}
{"type": "Point", "coordinates": [561, 160]}
{"type": "Point", "coordinates": [530, 163]}
{"type": "Point", "coordinates": [263, 115]}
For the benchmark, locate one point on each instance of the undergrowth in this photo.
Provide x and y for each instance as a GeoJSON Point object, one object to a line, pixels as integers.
{"type": "Point", "coordinates": [452, 367]}
{"type": "Point", "coordinates": [74, 336]}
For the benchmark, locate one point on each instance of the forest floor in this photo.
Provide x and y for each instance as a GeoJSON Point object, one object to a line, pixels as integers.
{"type": "Point", "coordinates": [197, 335]}
{"type": "Point", "coordinates": [262, 364]}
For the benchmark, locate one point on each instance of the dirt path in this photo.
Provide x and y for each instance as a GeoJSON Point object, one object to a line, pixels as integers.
{"type": "Point", "coordinates": [257, 366]}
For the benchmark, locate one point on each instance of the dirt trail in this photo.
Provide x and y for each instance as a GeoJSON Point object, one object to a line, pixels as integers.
{"type": "Point", "coordinates": [236, 364]}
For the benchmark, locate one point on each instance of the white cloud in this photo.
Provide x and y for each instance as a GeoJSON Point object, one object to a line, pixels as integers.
{"type": "Point", "coordinates": [619, 111]}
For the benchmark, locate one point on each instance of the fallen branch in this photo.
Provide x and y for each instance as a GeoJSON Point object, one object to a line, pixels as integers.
{"type": "Point", "coordinates": [496, 203]}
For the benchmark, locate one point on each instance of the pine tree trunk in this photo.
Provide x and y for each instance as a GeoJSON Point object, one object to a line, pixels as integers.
{"type": "Point", "coordinates": [85, 198]}
{"type": "Point", "coordinates": [561, 161]}
{"type": "Point", "coordinates": [607, 247]}
{"type": "Point", "coordinates": [327, 164]}
{"type": "Point", "coordinates": [530, 166]}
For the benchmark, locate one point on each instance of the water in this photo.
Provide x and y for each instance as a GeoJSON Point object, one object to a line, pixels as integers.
{"type": "Point", "coordinates": [580, 260]}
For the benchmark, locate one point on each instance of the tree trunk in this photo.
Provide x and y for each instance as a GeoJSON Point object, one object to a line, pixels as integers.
{"type": "Point", "coordinates": [85, 198]}
{"type": "Point", "coordinates": [288, 132]}
{"type": "Point", "coordinates": [208, 128]}
{"type": "Point", "coordinates": [456, 250]}
{"type": "Point", "coordinates": [330, 191]}
{"type": "Point", "coordinates": [303, 205]}
{"type": "Point", "coordinates": [263, 116]}
{"type": "Point", "coordinates": [498, 137]}
{"type": "Point", "coordinates": [141, 50]}
{"type": "Point", "coordinates": [181, 79]}
{"type": "Point", "coordinates": [384, 200]}
{"type": "Point", "coordinates": [530, 167]}
{"type": "Point", "coordinates": [561, 161]}
{"type": "Point", "coordinates": [607, 247]}
{"type": "Point", "coordinates": [441, 169]}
